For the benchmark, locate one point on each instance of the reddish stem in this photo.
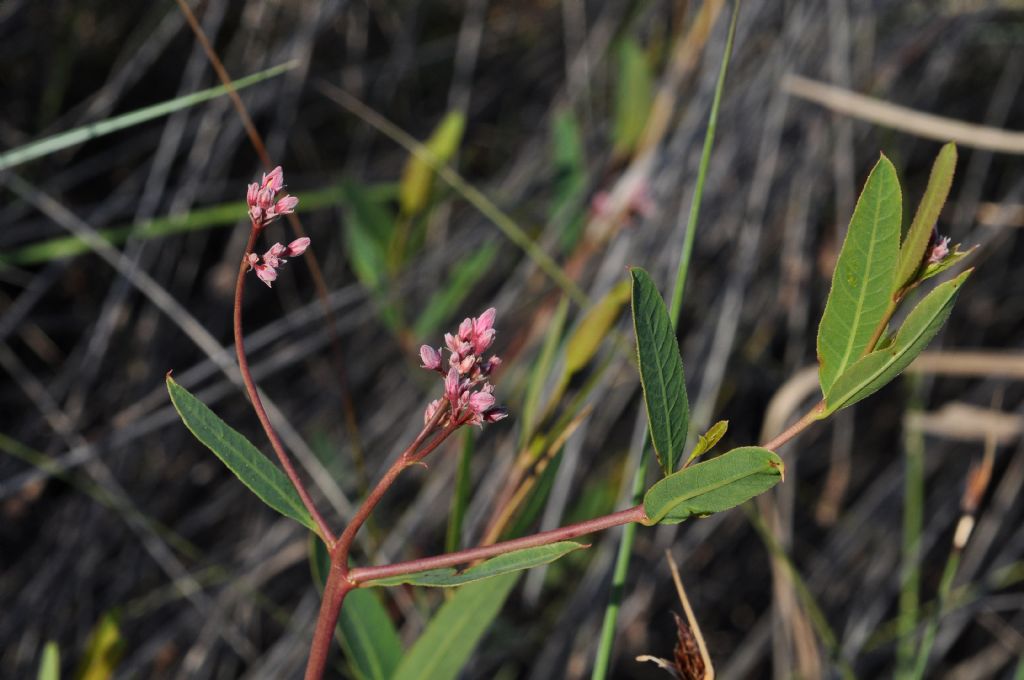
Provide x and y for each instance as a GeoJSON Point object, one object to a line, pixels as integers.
{"type": "Point", "coordinates": [257, 403]}
{"type": "Point", "coordinates": [335, 590]}
{"type": "Point", "coordinates": [634, 514]}
{"type": "Point", "coordinates": [796, 428]}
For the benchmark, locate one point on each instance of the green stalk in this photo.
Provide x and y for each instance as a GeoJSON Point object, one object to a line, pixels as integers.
{"type": "Point", "coordinates": [460, 500]}
{"type": "Point", "coordinates": [602, 659]}
{"type": "Point", "coordinates": [910, 563]}
{"type": "Point", "coordinates": [928, 639]}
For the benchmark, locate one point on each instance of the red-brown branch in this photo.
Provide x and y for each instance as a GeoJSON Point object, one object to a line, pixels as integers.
{"type": "Point", "coordinates": [257, 403]}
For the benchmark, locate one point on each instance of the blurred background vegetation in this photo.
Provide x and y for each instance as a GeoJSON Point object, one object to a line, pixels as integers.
{"type": "Point", "coordinates": [575, 129]}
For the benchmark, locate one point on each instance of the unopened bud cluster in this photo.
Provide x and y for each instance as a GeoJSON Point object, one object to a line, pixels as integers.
{"type": "Point", "coordinates": [466, 388]}
{"type": "Point", "coordinates": [264, 207]}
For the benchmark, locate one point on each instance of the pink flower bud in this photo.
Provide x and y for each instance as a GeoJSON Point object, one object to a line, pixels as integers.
{"type": "Point", "coordinates": [431, 358]}
{"type": "Point", "coordinates": [283, 207]}
{"type": "Point", "coordinates": [481, 401]}
{"type": "Point", "coordinates": [298, 246]}
{"type": "Point", "coordinates": [451, 386]}
{"type": "Point", "coordinates": [485, 321]}
{"type": "Point", "coordinates": [274, 180]}
{"type": "Point", "coordinates": [466, 329]}
{"type": "Point", "coordinates": [432, 407]}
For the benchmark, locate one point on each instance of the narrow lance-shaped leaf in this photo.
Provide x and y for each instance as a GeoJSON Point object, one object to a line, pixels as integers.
{"type": "Point", "coordinates": [365, 630]}
{"type": "Point", "coordinates": [862, 282]}
{"type": "Point", "coordinates": [661, 371]}
{"type": "Point", "coordinates": [714, 485]}
{"type": "Point", "coordinates": [517, 560]}
{"type": "Point", "coordinates": [250, 466]}
{"type": "Point", "coordinates": [454, 632]}
{"type": "Point", "coordinates": [418, 173]}
{"type": "Point", "coordinates": [912, 252]}
{"type": "Point", "coordinates": [874, 371]}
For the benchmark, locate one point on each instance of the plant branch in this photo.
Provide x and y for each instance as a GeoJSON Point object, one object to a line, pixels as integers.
{"type": "Point", "coordinates": [796, 428]}
{"type": "Point", "coordinates": [635, 514]}
{"type": "Point", "coordinates": [257, 403]}
{"type": "Point", "coordinates": [410, 456]}
{"type": "Point", "coordinates": [335, 590]}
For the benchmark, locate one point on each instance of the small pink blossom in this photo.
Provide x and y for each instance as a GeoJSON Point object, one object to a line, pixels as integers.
{"type": "Point", "coordinates": [431, 358]}
{"type": "Point", "coordinates": [260, 198]}
{"type": "Point", "coordinates": [267, 265]}
{"type": "Point", "coordinates": [939, 251]}
{"type": "Point", "coordinates": [451, 386]}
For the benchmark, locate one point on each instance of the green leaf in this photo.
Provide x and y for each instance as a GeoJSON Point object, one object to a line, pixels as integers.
{"type": "Point", "coordinates": [714, 485]}
{"type": "Point", "coordinates": [633, 96]}
{"type": "Point", "coordinates": [708, 440]}
{"type": "Point", "coordinates": [79, 135]}
{"type": "Point", "coordinates": [570, 184]}
{"type": "Point", "coordinates": [912, 252]}
{"type": "Point", "coordinates": [49, 664]}
{"type": "Point", "coordinates": [874, 371]}
{"type": "Point", "coordinates": [253, 468]}
{"type": "Point", "coordinates": [862, 283]}
{"type": "Point", "coordinates": [103, 651]}
{"type": "Point", "coordinates": [446, 301]}
{"type": "Point", "coordinates": [418, 174]}
{"type": "Point", "coordinates": [517, 560]}
{"type": "Point", "coordinates": [661, 371]}
{"type": "Point", "coordinates": [367, 635]}
{"type": "Point", "coordinates": [368, 228]}
{"type": "Point", "coordinates": [453, 633]}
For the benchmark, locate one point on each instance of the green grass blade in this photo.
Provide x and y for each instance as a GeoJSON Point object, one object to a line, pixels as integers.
{"type": "Point", "coordinates": [49, 664]}
{"type": "Point", "coordinates": [460, 497]}
{"type": "Point", "coordinates": [661, 372]}
{"type": "Point", "coordinates": [365, 630]}
{"type": "Point", "coordinates": [912, 251]}
{"type": "Point", "coordinates": [877, 369]}
{"type": "Point", "coordinates": [910, 558]}
{"type": "Point", "coordinates": [236, 452]}
{"type": "Point", "coordinates": [531, 410]}
{"type": "Point", "coordinates": [714, 485]}
{"type": "Point", "coordinates": [454, 632]}
{"type": "Point", "coordinates": [863, 279]}
{"type": "Point", "coordinates": [220, 215]}
{"type": "Point", "coordinates": [446, 301]}
{"type": "Point", "coordinates": [602, 658]}
{"type": "Point", "coordinates": [63, 140]}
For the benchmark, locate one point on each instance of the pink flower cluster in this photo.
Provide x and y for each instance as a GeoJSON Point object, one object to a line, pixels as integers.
{"type": "Point", "coordinates": [939, 251]}
{"type": "Point", "coordinates": [263, 207]}
{"type": "Point", "coordinates": [266, 267]}
{"type": "Point", "coordinates": [465, 382]}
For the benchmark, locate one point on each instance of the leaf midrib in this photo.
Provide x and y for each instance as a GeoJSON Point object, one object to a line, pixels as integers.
{"type": "Point", "coordinates": [709, 489]}
{"type": "Point", "coordinates": [855, 322]}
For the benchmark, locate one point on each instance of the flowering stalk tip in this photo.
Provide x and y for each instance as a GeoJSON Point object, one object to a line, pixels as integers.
{"type": "Point", "coordinates": [466, 386]}
{"type": "Point", "coordinates": [263, 208]}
